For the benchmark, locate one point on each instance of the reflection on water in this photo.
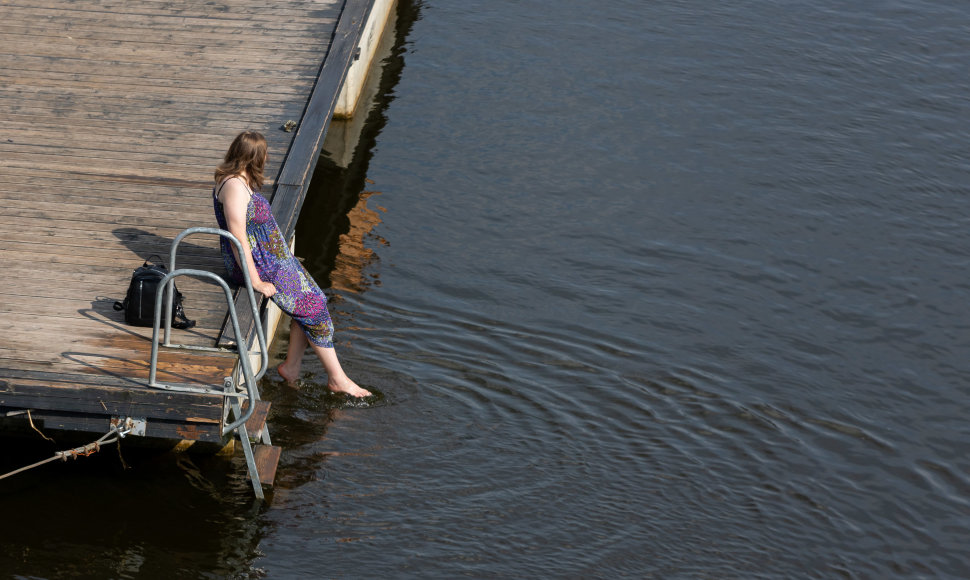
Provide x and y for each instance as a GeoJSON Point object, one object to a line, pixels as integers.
{"type": "Point", "coordinates": [337, 221]}
{"type": "Point", "coordinates": [353, 253]}
{"type": "Point", "coordinates": [354, 256]}
{"type": "Point", "coordinates": [177, 513]}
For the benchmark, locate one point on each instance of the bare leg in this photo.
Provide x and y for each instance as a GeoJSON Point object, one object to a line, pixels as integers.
{"type": "Point", "coordinates": [290, 368]}
{"type": "Point", "coordinates": [337, 379]}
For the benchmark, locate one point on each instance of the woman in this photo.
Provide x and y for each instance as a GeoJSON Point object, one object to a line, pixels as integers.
{"type": "Point", "coordinates": [273, 269]}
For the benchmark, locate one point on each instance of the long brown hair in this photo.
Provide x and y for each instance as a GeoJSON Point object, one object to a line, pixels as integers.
{"type": "Point", "coordinates": [246, 153]}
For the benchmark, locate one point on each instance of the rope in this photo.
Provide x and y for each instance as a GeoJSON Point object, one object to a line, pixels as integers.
{"type": "Point", "coordinates": [34, 427]}
{"type": "Point", "coordinates": [82, 451]}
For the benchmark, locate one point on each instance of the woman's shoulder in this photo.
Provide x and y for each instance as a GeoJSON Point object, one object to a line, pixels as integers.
{"type": "Point", "coordinates": [233, 188]}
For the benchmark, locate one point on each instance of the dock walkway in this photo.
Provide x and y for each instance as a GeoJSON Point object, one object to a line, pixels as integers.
{"type": "Point", "coordinates": [113, 115]}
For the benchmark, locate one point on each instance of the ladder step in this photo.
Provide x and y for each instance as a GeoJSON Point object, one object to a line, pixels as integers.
{"type": "Point", "coordinates": [256, 423]}
{"type": "Point", "coordinates": [267, 460]}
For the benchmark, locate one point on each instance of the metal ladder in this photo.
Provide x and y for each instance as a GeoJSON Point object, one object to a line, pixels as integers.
{"type": "Point", "coordinates": [231, 384]}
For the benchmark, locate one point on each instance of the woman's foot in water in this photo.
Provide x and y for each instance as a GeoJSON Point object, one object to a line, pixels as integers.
{"type": "Point", "coordinates": [288, 372]}
{"type": "Point", "coordinates": [347, 387]}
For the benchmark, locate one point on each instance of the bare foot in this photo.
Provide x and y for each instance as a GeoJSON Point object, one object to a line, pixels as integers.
{"type": "Point", "coordinates": [347, 386]}
{"type": "Point", "coordinates": [286, 374]}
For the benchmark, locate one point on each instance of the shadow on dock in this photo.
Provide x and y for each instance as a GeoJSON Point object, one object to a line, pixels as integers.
{"type": "Point", "coordinates": [145, 244]}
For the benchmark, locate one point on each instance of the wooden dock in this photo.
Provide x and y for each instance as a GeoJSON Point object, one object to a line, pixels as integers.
{"type": "Point", "coordinates": [113, 115]}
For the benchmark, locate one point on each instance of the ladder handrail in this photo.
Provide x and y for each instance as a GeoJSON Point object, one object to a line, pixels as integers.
{"type": "Point", "coordinates": [230, 387]}
{"type": "Point", "coordinates": [260, 331]}
{"type": "Point", "coordinates": [240, 347]}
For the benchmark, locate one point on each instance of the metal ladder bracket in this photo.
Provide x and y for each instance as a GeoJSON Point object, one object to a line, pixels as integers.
{"type": "Point", "coordinates": [130, 425]}
{"type": "Point", "coordinates": [247, 446]}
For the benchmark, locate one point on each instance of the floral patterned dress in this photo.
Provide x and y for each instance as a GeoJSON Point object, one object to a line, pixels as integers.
{"type": "Point", "coordinates": [297, 294]}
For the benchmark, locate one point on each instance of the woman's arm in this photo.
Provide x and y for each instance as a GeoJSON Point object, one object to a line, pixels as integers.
{"type": "Point", "coordinates": [235, 202]}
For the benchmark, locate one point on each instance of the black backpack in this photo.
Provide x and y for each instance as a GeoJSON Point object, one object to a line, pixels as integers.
{"type": "Point", "coordinates": [139, 303]}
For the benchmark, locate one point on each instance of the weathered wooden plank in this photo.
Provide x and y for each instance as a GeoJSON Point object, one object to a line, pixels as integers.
{"type": "Point", "coordinates": [62, 328]}
{"type": "Point", "coordinates": [244, 11]}
{"type": "Point", "coordinates": [204, 24]}
{"type": "Point", "coordinates": [112, 369]}
{"type": "Point", "coordinates": [92, 53]}
{"type": "Point", "coordinates": [55, 260]}
{"type": "Point", "coordinates": [38, 31]}
{"type": "Point", "coordinates": [69, 192]}
{"type": "Point", "coordinates": [154, 209]}
{"type": "Point", "coordinates": [27, 280]}
{"type": "Point", "coordinates": [125, 103]}
{"type": "Point", "coordinates": [84, 397]}
{"type": "Point", "coordinates": [95, 355]}
{"type": "Point", "coordinates": [200, 305]}
{"type": "Point", "coordinates": [65, 219]}
{"type": "Point", "coordinates": [97, 323]}
{"type": "Point", "coordinates": [91, 275]}
{"type": "Point", "coordinates": [124, 87]}
{"type": "Point", "coordinates": [35, 287]}
{"type": "Point", "coordinates": [86, 254]}
{"type": "Point", "coordinates": [156, 428]}
{"type": "Point", "coordinates": [138, 242]}
{"type": "Point", "coordinates": [27, 148]}
{"type": "Point", "coordinates": [166, 115]}
{"type": "Point", "coordinates": [40, 130]}
{"type": "Point", "coordinates": [78, 257]}
{"type": "Point", "coordinates": [100, 405]}
{"type": "Point", "coordinates": [57, 392]}
{"type": "Point", "coordinates": [150, 209]}
{"type": "Point", "coordinates": [267, 458]}
{"type": "Point", "coordinates": [49, 59]}
{"type": "Point", "coordinates": [97, 276]}
{"type": "Point", "coordinates": [257, 421]}
{"type": "Point", "coordinates": [205, 313]}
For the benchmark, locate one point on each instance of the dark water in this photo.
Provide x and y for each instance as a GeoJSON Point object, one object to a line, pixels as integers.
{"type": "Point", "coordinates": [649, 289]}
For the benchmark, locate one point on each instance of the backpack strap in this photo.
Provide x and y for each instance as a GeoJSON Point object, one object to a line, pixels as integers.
{"type": "Point", "coordinates": [158, 262]}
{"type": "Point", "coordinates": [179, 319]}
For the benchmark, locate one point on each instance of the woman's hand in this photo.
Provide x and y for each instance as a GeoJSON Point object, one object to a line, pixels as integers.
{"type": "Point", "coordinates": [264, 288]}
